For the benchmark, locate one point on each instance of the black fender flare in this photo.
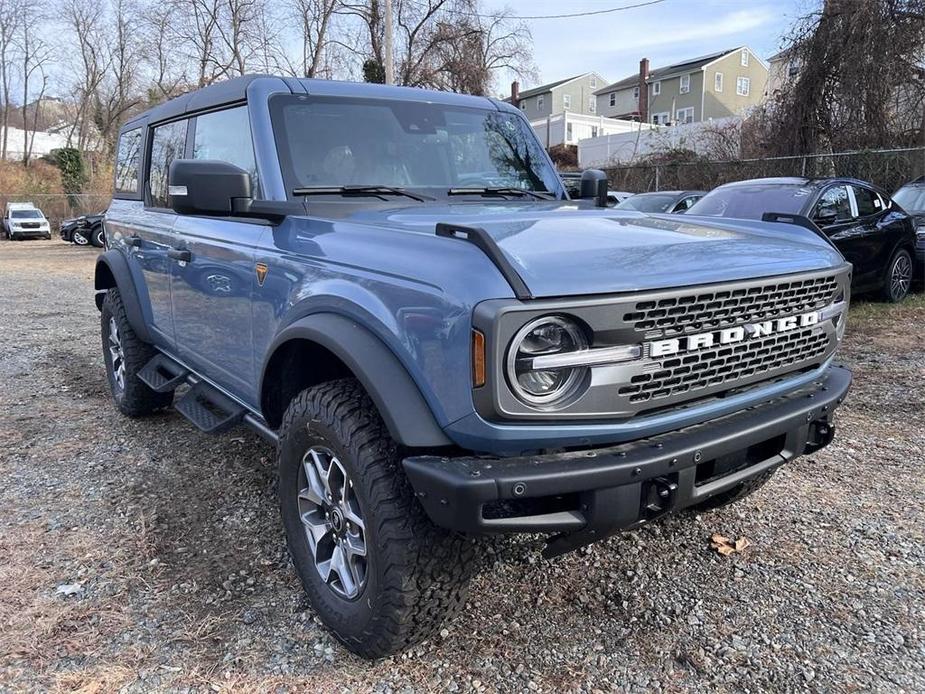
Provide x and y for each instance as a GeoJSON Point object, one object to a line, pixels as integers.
{"type": "Point", "coordinates": [397, 397]}
{"type": "Point", "coordinates": [112, 270]}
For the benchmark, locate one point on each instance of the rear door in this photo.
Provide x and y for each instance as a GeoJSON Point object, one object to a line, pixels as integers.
{"type": "Point", "coordinates": [211, 291]}
{"type": "Point", "coordinates": [873, 237]}
{"type": "Point", "coordinates": [139, 222]}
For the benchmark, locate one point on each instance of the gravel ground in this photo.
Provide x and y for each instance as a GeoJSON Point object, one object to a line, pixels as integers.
{"type": "Point", "coordinates": [142, 555]}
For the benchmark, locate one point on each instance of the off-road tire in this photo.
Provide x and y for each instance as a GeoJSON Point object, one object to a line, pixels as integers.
{"type": "Point", "coordinates": [737, 493]}
{"type": "Point", "coordinates": [134, 399]}
{"type": "Point", "coordinates": [417, 575]}
{"type": "Point", "coordinates": [892, 293]}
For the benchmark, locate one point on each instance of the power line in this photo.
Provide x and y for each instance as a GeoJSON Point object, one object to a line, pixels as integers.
{"type": "Point", "coordinates": [588, 13]}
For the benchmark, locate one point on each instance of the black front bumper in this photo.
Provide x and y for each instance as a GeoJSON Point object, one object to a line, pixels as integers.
{"type": "Point", "coordinates": [589, 494]}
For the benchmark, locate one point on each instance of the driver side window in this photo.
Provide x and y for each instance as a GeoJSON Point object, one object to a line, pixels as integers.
{"type": "Point", "coordinates": [833, 206]}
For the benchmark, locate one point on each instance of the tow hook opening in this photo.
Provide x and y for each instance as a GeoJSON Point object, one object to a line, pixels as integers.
{"type": "Point", "coordinates": [821, 432]}
{"type": "Point", "coordinates": [659, 496]}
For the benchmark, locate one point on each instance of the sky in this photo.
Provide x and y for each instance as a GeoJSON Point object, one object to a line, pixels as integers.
{"type": "Point", "coordinates": [666, 32]}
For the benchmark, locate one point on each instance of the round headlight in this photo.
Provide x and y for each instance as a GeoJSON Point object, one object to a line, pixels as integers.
{"type": "Point", "coordinates": [545, 336]}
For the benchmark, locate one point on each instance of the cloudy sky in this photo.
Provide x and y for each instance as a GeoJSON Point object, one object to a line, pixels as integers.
{"type": "Point", "coordinates": [666, 32]}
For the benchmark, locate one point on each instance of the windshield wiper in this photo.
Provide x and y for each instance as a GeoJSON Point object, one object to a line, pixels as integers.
{"type": "Point", "coordinates": [499, 191]}
{"type": "Point", "coordinates": [373, 191]}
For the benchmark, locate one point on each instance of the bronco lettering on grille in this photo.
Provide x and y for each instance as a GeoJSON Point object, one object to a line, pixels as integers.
{"type": "Point", "coordinates": [728, 336]}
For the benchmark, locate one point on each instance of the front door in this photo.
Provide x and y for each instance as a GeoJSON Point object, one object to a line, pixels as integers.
{"type": "Point", "coordinates": [211, 289]}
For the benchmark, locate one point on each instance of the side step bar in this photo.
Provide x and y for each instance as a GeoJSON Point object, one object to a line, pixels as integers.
{"type": "Point", "coordinates": [209, 409]}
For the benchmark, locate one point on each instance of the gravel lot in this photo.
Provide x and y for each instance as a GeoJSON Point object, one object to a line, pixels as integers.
{"type": "Point", "coordinates": [143, 555]}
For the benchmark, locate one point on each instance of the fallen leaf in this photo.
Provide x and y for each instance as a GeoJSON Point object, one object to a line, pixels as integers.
{"type": "Point", "coordinates": [742, 543]}
{"type": "Point", "coordinates": [69, 588]}
{"type": "Point", "coordinates": [726, 547]}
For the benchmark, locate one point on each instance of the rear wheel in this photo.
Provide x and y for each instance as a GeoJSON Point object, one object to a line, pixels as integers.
{"type": "Point", "coordinates": [378, 573]}
{"type": "Point", "coordinates": [97, 236]}
{"type": "Point", "coordinates": [898, 277]}
{"type": "Point", "coordinates": [124, 354]}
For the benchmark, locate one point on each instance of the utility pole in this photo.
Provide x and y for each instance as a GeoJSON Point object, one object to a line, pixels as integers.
{"type": "Point", "coordinates": [389, 54]}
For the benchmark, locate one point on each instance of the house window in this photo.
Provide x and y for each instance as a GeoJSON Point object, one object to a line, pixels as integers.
{"type": "Point", "coordinates": [718, 82]}
{"type": "Point", "coordinates": [660, 118]}
{"type": "Point", "coordinates": [636, 93]}
{"type": "Point", "coordinates": [592, 82]}
{"type": "Point", "coordinates": [657, 88]}
{"type": "Point", "coordinates": [743, 84]}
{"type": "Point", "coordinates": [685, 84]}
{"type": "Point", "coordinates": [592, 104]}
{"type": "Point", "coordinates": [540, 100]}
{"type": "Point", "coordinates": [568, 132]}
{"type": "Point", "coordinates": [613, 98]}
{"type": "Point", "coordinates": [744, 57]}
{"type": "Point", "coordinates": [684, 115]}
{"type": "Point", "coordinates": [566, 101]}
{"type": "Point", "coordinates": [593, 131]}
{"type": "Point", "coordinates": [793, 68]}
{"type": "Point", "coordinates": [523, 104]}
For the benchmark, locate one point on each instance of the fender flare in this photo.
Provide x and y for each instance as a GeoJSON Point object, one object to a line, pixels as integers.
{"type": "Point", "coordinates": [397, 397]}
{"type": "Point", "coordinates": [112, 270]}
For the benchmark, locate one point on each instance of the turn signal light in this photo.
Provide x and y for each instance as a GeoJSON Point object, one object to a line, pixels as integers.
{"type": "Point", "coordinates": [478, 359]}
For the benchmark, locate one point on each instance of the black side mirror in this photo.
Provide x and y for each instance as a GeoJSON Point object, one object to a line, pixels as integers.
{"type": "Point", "coordinates": [207, 187]}
{"type": "Point", "coordinates": [825, 217]}
{"type": "Point", "coordinates": [594, 185]}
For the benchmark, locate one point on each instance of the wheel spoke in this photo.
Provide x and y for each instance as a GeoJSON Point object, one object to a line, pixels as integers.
{"type": "Point", "coordinates": [344, 571]}
{"type": "Point", "coordinates": [354, 546]}
{"type": "Point", "coordinates": [316, 529]}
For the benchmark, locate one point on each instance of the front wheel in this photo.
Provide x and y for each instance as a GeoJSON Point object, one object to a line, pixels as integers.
{"type": "Point", "coordinates": [378, 573]}
{"type": "Point", "coordinates": [125, 354]}
{"type": "Point", "coordinates": [898, 277]}
{"type": "Point", "coordinates": [97, 236]}
{"type": "Point", "coordinates": [78, 238]}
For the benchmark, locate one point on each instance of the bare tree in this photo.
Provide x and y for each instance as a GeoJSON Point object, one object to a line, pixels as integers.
{"type": "Point", "coordinates": [316, 18]}
{"type": "Point", "coordinates": [9, 24]}
{"type": "Point", "coordinates": [84, 20]}
{"type": "Point", "coordinates": [34, 55]}
{"type": "Point", "coordinates": [167, 74]}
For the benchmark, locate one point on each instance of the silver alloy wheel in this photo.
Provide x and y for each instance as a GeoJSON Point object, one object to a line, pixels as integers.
{"type": "Point", "coordinates": [900, 276]}
{"type": "Point", "coordinates": [116, 354]}
{"type": "Point", "coordinates": [334, 526]}
{"type": "Point", "coordinates": [80, 239]}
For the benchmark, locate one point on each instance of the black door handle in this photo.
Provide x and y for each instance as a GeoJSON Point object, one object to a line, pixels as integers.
{"type": "Point", "coordinates": [133, 241]}
{"type": "Point", "coordinates": [181, 254]}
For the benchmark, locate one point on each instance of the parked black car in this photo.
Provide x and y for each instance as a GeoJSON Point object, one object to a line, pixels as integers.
{"type": "Point", "coordinates": [663, 201]}
{"type": "Point", "coordinates": [911, 197]}
{"type": "Point", "coordinates": [85, 230]}
{"type": "Point", "coordinates": [873, 233]}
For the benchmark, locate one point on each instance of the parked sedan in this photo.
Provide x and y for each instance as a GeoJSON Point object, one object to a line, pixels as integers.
{"type": "Point", "coordinates": [663, 201]}
{"type": "Point", "coordinates": [873, 233]}
{"type": "Point", "coordinates": [911, 197]}
{"type": "Point", "coordinates": [84, 230]}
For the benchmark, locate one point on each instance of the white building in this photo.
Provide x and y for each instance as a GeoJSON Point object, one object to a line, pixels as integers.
{"type": "Point", "coordinates": [568, 128]}
{"type": "Point", "coordinates": [42, 143]}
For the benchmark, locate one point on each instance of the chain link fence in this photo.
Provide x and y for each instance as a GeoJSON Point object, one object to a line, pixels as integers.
{"type": "Point", "coordinates": [887, 168]}
{"type": "Point", "coordinates": [58, 206]}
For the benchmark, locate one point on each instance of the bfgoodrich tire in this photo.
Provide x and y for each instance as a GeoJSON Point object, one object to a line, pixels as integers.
{"type": "Point", "coordinates": [124, 354]}
{"type": "Point", "coordinates": [378, 573]}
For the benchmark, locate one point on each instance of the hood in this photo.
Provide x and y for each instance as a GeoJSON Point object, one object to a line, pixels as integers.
{"type": "Point", "coordinates": [560, 249]}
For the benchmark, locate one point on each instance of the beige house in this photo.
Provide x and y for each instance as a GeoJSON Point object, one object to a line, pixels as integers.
{"type": "Point", "coordinates": [572, 94]}
{"type": "Point", "coordinates": [718, 85]}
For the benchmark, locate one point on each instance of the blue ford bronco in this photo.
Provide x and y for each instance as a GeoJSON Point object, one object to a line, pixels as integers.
{"type": "Point", "coordinates": [393, 287]}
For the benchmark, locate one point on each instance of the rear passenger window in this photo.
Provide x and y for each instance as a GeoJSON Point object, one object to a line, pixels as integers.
{"type": "Point", "coordinates": [128, 160]}
{"type": "Point", "coordinates": [868, 201]}
{"type": "Point", "coordinates": [226, 136]}
{"type": "Point", "coordinates": [167, 144]}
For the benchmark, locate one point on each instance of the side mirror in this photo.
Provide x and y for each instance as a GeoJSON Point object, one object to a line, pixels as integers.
{"type": "Point", "coordinates": [594, 185]}
{"type": "Point", "coordinates": [825, 217]}
{"type": "Point", "coordinates": [207, 187]}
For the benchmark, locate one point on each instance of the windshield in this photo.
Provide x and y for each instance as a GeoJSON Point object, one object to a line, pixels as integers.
{"type": "Point", "coordinates": [751, 202]}
{"type": "Point", "coordinates": [431, 148]}
{"type": "Point", "coordinates": [26, 214]}
{"type": "Point", "coordinates": [911, 199]}
{"type": "Point", "coordinates": [648, 203]}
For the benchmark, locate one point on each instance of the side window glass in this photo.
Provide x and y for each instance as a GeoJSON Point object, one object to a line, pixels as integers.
{"type": "Point", "coordinates": [833, 206]}
{"type": "Point", "coordinates": [226, 136]}
{"type": "Point", "coordinates": [868, 201]}
{"type": "Point", "coordinates": [167, 144]}
{"type": "Point", "coordinates": [128, 160]}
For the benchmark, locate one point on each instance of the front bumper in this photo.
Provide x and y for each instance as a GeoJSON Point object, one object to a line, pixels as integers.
{"type": "Point", "coordinates": [589, 494]}
{"type": "Point", "coordinates": [30, 233]}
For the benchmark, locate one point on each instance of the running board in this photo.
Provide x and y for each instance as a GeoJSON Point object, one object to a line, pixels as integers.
{"type": "Point", "coordinates": [209, 409]}
{"type": "Point", "coordinates": [162, 374]}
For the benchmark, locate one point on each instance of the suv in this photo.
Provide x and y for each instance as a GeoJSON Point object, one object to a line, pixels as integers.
{"type": "Point", "coordinates": [24, 220]}
{"type": "Point", "coordinates": [392, 286]}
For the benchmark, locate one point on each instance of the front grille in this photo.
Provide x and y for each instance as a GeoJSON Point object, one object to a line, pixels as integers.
{"type": "Point", "coordinates": [700, 311]}
{"type": "Point", "coordinates": [30, 225]}
{"type": "Point", "coordinates": [709, 368]}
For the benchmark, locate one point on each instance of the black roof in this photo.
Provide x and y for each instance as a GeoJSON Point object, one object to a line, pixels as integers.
{"type": "Point", "coordinates": [667, 71]}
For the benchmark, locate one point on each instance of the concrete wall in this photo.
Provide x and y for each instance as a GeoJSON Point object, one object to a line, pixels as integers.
{"type": "Point", "coordinates": [643, 139]}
